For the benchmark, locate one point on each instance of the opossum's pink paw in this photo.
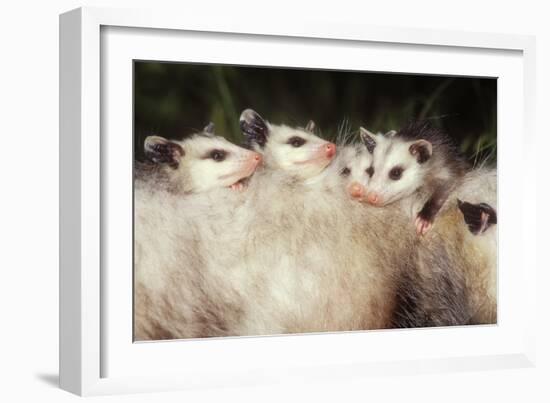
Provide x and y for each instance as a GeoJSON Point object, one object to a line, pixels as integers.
{"type": "Point", "coordinates": [422, 225]}
{"type": "Point", "coordinates": [239, 187]}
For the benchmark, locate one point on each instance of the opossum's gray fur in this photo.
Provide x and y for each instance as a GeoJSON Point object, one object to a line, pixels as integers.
{"type": "Point", "coordinates": [315, 259]}
{"type": "Point", "coordinates": [290, 256]}
{"type": "Point", "coordinates": [285, 257]}
{"type": "Point", "coordinates": [176, 295]}
{"type": "Point", "coordinates": [453, 281]}
{"type": "Point", "coordinates": [149, 175]}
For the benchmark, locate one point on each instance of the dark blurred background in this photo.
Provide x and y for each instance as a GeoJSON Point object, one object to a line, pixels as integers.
{"type": "Point", "coordinates": [174, 100]}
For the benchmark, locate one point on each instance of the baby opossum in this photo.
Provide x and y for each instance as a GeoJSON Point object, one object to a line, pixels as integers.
{"type": "Point", "coordinates": [196, 164]}
{"type": "Point", "coordinates": [314, 257]}
{"type": "Point", "coordinates": [297, 152]}
{"type": "Point", "coordinates": [414, 163]}
{"type": "Point", "coordinates": [172, 205]}
{"type": "Point", "coordinates": [356, 168]}
{"type": "Point", "coordinates": [449, 278]}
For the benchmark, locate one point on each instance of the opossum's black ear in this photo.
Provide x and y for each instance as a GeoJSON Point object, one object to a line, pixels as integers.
{"type": "Point", "coordinates": [422, 150]}
{"type": "Point", "coordinates": [368, 139]}
{"type": "Point", "coordinates": [209, 129]}
{"type": "Point", "coordinates": [162, 151]}
{"type": "Point", "coordinates": [478, 217]}
{"type": "Point", "coordinates": [254, 127]}
{"type": "Point", "coordinates": [310, 127]}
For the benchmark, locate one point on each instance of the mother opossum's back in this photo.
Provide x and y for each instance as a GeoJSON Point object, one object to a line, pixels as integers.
{"type": "Point", "coordinates": [318, 267]}
{"type": "Point", "coordinates": [479, 186]}
{"type": "Point", "coordinates": [471, 260]}
{"type": "Point", "coordinates": [175, 295]}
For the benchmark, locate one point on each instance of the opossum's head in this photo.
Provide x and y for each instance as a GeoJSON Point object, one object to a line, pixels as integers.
{"type": "Point", "coordinates": [399, 167]}
{"type": "Point", "coordinates": [203, 161]}
{"type": "Point", "coordinates": [354, 165]}
{"type": "Point", "coordinates": [298, 152]}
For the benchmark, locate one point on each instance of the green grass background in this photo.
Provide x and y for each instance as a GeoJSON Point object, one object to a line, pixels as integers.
{"type": "Point", "coordinates": [174, 100]}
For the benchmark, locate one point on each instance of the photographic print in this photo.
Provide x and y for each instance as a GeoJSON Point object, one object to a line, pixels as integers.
{"type": "Point", "coordinates": [272, 201]}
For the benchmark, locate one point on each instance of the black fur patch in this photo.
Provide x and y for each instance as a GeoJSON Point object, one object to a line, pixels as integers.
{"type": "Point", "coordinates": [370, 171]}
{"type": "Point", "coordinates": [478, 217]}
{"type": "Point", "coordinates": [444, 151]}
{"type": "Point", "coordinates": [435, 202]}
{"type": "Point", "coordinates": [436, 299]}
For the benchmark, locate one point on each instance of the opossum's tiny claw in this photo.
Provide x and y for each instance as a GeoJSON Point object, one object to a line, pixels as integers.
{"type": "Point", "coordinates": [237, 186]}
{"type": "Point", "coordinates": [240, 185]}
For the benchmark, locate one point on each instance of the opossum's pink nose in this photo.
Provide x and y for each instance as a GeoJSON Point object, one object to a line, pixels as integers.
{"type": "Point", "coordinates": [356, 190]}
{"type": "Point", "coordinates": [373, 198]}
{"type": "Point", "coordinates": [256, 158]}
{"type": "Point", "coordinates": [330, 150]}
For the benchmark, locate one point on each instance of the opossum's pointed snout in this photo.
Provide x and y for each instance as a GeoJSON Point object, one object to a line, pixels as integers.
{"type": "Point", "coordinates": [330, 150]}
{"type": "Point", "coordinates": [356, 190]}
{"type": "Point", "coordinates": [374, 199]}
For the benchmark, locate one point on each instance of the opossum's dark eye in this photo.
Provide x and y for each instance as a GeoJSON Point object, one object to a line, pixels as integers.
{"type": "Point", "coordinates": [395, 173]}
{"type": "Point", "coordinates": [218, 155]}
{"type": "Point", "coordinates": [345, 172]}
{"type": "Point", "coordinates": [296, 141]}
{"type": "Point", "coordinates": [370, 171]}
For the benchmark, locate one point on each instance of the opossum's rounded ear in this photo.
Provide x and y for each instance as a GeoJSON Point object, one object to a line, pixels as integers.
{"type": "Point", "coordinates": [422, 150]}
{"type": "Point", "coordinates": [254, 127]}
{"type": "Point", "coordinates": [310, 127]}
{"type": "Point", "coordinates": [162, 151]}
{"type": "Point", "coordinates": [391, 133]}
{"type": "Point", "coordinates": [478, 217]}
{"type": "Point", "coordinates": [368, 139]}
{"type": "Point", "coordinates": [209, 129]}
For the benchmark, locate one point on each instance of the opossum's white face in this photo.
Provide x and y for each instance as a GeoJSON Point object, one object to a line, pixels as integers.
{"type": "Point", "coordinates": [398, 168]}
{"type": "Point", "coordinates": [298, 152]}
{"type": "Point", "coordinates": [354, 169]}
{"type": "Point", "coordinates": [203, 161]}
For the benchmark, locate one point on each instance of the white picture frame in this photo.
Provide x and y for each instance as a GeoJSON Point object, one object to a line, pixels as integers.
{"type": "Point", "coordinates": [96, 357]}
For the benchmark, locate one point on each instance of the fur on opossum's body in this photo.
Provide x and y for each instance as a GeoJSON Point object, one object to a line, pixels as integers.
{"type": "Point", "coordinates": [316, 261]}
{"type": "Point", "coordinates": [453, 280]}
{"type": "Point", "coordinates": [285, 256]}
{"type": "Point", "coordinates": [291, 255]}
{"type": "Point", "coordinates": [180, 289]}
